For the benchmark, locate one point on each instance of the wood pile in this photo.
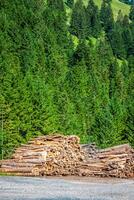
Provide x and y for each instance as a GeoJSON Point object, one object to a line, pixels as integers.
{"type": "Point", "coordinates": [46, 155]}
{"type": "Point", "coordinates": [111, 162]}
{"type": "Point", "coordinates": [90, 150]}
{"type": "Point", "coordinates": [63, 155]}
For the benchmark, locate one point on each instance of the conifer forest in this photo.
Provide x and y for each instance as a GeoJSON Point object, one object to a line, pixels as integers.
{"type": "Point", "coordinates": [66, 67]}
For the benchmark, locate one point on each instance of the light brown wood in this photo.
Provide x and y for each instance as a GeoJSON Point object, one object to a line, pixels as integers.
{"type": "Point", "coordinates": [63, 155]}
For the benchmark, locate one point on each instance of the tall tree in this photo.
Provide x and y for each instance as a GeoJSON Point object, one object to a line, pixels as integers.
{"type": "Point", "coordinates": [127, 35]}
{"type": "Point", "coordinates": [131, 14]}
{"type": "Point", "coordinates": [130, 103]}
{"type": "Point", "coordinates": [106, 16]}
{"type": "Point", "coordinates": [83, 52]}
{"type": "Point", "coordinates": [102, 128]}
{"type": "Point", "coordinates": [70, 3]}
{"type": "Point", "coordinates": [93, 20]}
{"type": "Point", "coordinates": [78, 20]}
{"type": "Point", "coordinates": [54, 13]}
{"type": "Point", "coordinates": [116, 38]}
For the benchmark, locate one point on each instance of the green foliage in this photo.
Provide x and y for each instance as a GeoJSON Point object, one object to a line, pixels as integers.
{"type": "Point", "coordinates": [129, 132]}
{"type": "Point", "coordinates": [116, 6]}
{"type": "Point", "coordinates": [93, 21]}
{"type": "Point", "coordinates": [131, 14]}
{"type": "Point", "coordinates": [117, 42]}
{"type": "Point", "coordinates": [55, 20]}
{"type": "Point", "coordinates": [50, 85]}
{"type": "Point", "coordinates": [70, 3]}
{"type": "Point", "coordinates": [106, 16]}
{"type": "Point", "coordinates": [127, 36]}
{"type": "Point", "coordinates": [78, 20]}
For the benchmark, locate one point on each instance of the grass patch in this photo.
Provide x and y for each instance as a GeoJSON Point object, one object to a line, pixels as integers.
{"type": "Point", "coordinates": [7, 174]}
{"type": "Point", "coordinates": [116, 6]}
{"type": "Point", "coordinates": [3, 174]}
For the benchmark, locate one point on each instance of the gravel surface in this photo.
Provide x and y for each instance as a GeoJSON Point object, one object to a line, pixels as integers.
{"type": "Point", "coordinates": [21, 188]}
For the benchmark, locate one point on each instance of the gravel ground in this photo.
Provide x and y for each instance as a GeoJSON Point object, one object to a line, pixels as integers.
{"type": "Point", "coordinates": [21, 188]}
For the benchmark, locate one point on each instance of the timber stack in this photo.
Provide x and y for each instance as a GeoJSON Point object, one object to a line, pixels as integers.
{"type": "Point", "coordinates": [46, 155]}
{"type": "Point", "coordinates": [63, 155]}
{"type": "Point", "coordinates": [116, 161]}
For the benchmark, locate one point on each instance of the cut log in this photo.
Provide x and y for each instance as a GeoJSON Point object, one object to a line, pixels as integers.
{"type": "Point", "coordinates": [63, 155]}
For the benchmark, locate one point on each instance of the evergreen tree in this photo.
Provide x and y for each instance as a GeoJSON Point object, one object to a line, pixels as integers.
{"type": "Point", "coordinates": [78, 20]}
{"type": "Point", "coordinates": [106, 16]}
{"type": "Point", "coordinates": [53, 14]}
{"type": "Point", "coordinates": [117, 41]}
{"type": "Point", "coordinates": [131, 14]}
{"type": "Point", "coordinates": [128, 134]}
{"type": "Point", "coordinates": [102, 128]}
{"type": "Point", "coordinates": [93, 21]}
{"type": "Point", "coordinates": [81, 89]}
{"type": "Point", "coordinates": [70, 3]}
{"type": "Point", "coordinates": [118, 100]}
{"type": "Point", "coordinates": [127, 35]}
{"type": "Point", "coordinates": [83, 51]}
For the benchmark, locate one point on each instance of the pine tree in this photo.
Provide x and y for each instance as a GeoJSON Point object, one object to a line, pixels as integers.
{"type": "Point", "coordinates": [131, 14]}
{"type": "Point", "coordinates": [70, 3]}
{"type": "Point", "coordinates": [106, 16]}
{"type": "Point", "coordinates": [81, 89]}
{"type": "Point", "coordinates": [93, 21]}
{"type": "Point", "coordinates": [106, 130]}
{"type": "Point", "coordinates": [56, 21]}
{"type": "Point", "coordinates": [127, 35]}
{"type": "Point", "coordinates": [83, 51]}
{"type": "Point", "coordinates": [117, 41]}
{"type": "Point", "coordinates": [130, 103]}
{"type": "Point", "coordinates": [118, 100]}
{"type": "Point", "coordinates": [78, 20]}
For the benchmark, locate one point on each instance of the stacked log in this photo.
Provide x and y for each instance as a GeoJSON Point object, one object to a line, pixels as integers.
{"type": "Point", "coordinates": [90, 150]}
{"type": "Point", "coordinates": [46, 155]}
{"type": "Point", "coordinates": [63, 155]}
{"type": "Point", "coordinates": [111, 162]}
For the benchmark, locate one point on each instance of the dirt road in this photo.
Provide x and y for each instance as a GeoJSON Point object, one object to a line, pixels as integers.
{"type": "Point", "coordinates": [20, 188]}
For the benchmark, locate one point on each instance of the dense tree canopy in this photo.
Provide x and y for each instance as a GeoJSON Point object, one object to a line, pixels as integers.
{"type": "Point", "coordinates": [60, 75]}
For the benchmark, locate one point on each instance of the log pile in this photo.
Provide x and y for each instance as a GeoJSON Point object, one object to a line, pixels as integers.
{"type": "Point", "coordinates": [90, 150]}
{"type": "Point", "coordinates": [63, 155]}
{"type": "Point", "coordinates": [46, 155]}
{"type": "Point", "coordinates": [111, 162]}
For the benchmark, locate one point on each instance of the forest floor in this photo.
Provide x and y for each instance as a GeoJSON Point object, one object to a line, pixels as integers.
{"type": "Point", "coordinates": [67, 188]}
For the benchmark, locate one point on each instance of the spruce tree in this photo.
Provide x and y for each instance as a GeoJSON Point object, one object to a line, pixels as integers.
{"type": "Point", "coordinates": [78, 20]}
{"type": "Point", "coordinates": [130, 103]}
{"type": "Point", "coordinates": [56, 20]}
{"type": "Point", "coordinates": [81, 89]}
{"type": "Point", "coordinates": [116, 41]}
{"type": "Point", "coordinates": [93, 20]}
{"type": "Point", "coordinates": [70, 3]}
{"type": "Point", "coordinates": [105, 127]}
{"type": "Point", "coordinates": [106, 16]}
{"type": "Point", "coordinates": [83, 51]}
{"type": "Point", "coordinates": [131, 14]}
{"type": "Point", "coordinates": [127, 35]}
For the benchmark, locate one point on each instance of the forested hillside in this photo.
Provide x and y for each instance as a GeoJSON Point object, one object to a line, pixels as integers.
{"type": "Point", "coordinates": [116, 6]}
{"type": "Point", "coordinates": [60, 77]}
